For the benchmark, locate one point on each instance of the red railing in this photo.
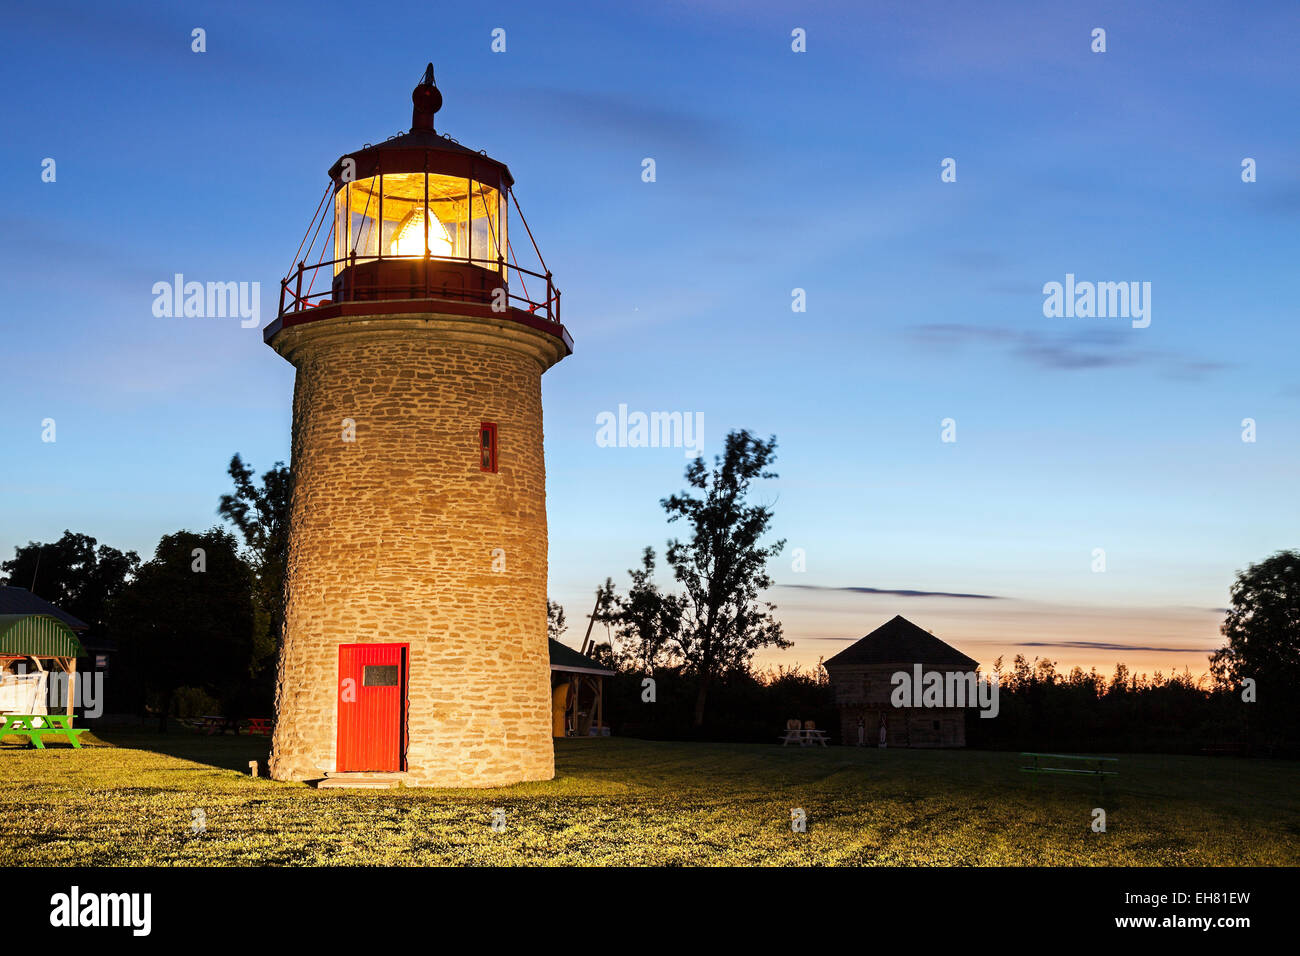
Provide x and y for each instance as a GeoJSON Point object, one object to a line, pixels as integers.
{"type": "Point", "coordinates": [293, 298]}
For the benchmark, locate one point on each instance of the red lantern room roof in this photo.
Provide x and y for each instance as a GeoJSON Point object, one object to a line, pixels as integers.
{"type": "Point", "coordinates": [420, 223]}
{"type": "Point", "coordinates": [408, 152]}
{"type": "Point", "coordinates": [422, 149]}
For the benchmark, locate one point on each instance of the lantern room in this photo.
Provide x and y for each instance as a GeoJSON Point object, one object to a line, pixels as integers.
{"type": "Point", "coordinates": [420, 217]}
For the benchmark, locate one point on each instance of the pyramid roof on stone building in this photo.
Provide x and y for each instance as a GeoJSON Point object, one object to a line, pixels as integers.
{"type": "Point", "coordinates": [899, 641]}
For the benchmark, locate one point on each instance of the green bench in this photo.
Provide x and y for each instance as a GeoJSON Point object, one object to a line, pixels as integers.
{"type": "Point", "coordinates": [36, 727]}
{"type": "Point", "coordinates": [1041, 763]}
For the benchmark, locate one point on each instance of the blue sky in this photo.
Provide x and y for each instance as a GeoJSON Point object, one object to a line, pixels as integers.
{"type": "Point", "coordinates": [775, 170]}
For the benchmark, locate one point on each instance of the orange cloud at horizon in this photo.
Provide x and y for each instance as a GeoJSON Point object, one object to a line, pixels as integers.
{"type": "Point", "coordinates": [823, 622]}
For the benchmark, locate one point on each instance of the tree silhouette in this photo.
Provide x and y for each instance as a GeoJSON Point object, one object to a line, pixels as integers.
{"type": "Point", "coordinates": [722, 566]}
{"type": "Point", "coordinates": [187, 621]}
{"type": "Point", "coordinates": [1263, 634]}
{"type": "Point", "coordinates": [647, 622]}
{"type": "Point", "coordinates": [74, 574]}
{"type": "Point", "coordinates": [262, 516]}
{"type": "Point", "coordinates": [556, 625]}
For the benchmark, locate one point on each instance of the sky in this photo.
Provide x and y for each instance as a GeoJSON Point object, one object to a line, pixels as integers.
{"type": "Point", "coordinates": [775, 171]}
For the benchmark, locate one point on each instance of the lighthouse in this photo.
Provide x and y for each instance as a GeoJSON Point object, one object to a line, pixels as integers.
{"type": "Point", "coordinates": [415, 645]}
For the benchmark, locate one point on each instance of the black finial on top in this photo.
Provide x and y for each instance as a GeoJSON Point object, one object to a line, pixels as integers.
{"type": "Point", "coordinates": [426, 101]}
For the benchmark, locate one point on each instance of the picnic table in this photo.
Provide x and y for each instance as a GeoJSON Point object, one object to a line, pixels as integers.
{"type": "Point", "coordinates": [803, 737]}
{"type": "Point", "coordinates": [35, 727]}
{"type": "Point", "coordinates": [215, 724]}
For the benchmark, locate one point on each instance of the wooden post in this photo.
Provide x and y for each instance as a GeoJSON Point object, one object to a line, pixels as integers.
{"type": "Point", "coordinates": [600, 705]}
{"type": "Point", "coordinates": [576, 684]}
{"type": "Point", "coordinates": [591, 622]}
{"type": "Point", "coordinates": [70, 668]}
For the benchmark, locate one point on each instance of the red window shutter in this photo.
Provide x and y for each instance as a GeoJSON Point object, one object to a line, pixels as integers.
{"type": "Point", "coordinates": [487, 446]}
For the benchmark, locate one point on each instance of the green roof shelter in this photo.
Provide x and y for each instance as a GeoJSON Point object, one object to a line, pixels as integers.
{"type": "Point", "coordinates": [42, 637]}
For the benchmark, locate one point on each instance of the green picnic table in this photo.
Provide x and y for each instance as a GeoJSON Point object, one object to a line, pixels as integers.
{"type": "Point", "coordinates": [36, 726]}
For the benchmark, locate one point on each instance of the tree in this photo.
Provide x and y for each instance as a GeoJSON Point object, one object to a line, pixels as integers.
{"type": "Point", "coordinates": [1263, 634]}
{"type": "Point", "coordinates": [187, 621]}
{"type": "Point", "coordinates": [74, 574]}
{"type": "Point", "coordinates": [603, 656]}
{"type": "Point", "coordinates": [555, 623]}
{"type": "Point", "coordinates": [647, 622]}
{"type": "Point", "coordinates": [262, 517]}
{"type": "Point", "coordinates": [722, 566]}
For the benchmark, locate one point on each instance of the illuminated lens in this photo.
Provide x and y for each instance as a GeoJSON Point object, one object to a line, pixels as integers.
{"type": "Point", "coordinates": [409, 240]}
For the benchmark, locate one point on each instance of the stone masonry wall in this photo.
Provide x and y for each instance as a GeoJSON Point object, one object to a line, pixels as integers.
{"type": "Point", "coordinates": [864, 692]}
{"type": "Point", "coordinates": [393, 537]}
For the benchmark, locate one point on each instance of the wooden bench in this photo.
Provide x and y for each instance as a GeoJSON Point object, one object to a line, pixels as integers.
{"type": "Point", "coordinates": [1232, 750]}
{"type": "Point", "coordinates": [36, 727]}
{"type": "Point", "coordinates": [1040, 764]}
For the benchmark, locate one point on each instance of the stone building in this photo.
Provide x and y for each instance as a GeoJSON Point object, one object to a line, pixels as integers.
{"type": "Point", "coordinates": [415, 641]}
{"type": "Point", "coordinates": [862, 676]}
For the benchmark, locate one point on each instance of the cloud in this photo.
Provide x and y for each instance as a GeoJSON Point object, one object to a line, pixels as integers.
{"type": "Point", "coordinates": [1195, 369]}
{"type": "Point", "coordinates": [1072, 351]}
{"type": "Point", "coordinates": [1075, 352]}
{"type": "Point", "coordinates": [1022, 289]}
{"type": "Point", "coordinates": [624, 120]}
{"type": "Point", "coordinates": [1107, 646]}
{"type": "Point", "coordinates": [1280, 200]}
{"type": "Point", "coordinates": [900, 592]}
{"type": "Point", "coordinates": [980, 261]}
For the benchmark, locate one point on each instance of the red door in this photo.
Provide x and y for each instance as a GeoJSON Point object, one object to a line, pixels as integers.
{"type": "Point", "coordinates": [372, 707]}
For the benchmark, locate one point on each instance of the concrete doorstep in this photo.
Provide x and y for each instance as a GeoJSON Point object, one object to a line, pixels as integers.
{"type": "Point", "coordinates": [365, 780]}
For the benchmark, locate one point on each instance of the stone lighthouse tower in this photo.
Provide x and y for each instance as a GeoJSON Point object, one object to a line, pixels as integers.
{"type": "Point", "coordinates": [415, 625]}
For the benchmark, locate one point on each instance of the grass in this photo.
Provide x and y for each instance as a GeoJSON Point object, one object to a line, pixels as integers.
{"type": "Point", "coordinates": [130, 801]}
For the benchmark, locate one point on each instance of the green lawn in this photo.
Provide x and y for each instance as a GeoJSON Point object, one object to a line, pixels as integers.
{"type": "Point", "coordinates": [131, 802]}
